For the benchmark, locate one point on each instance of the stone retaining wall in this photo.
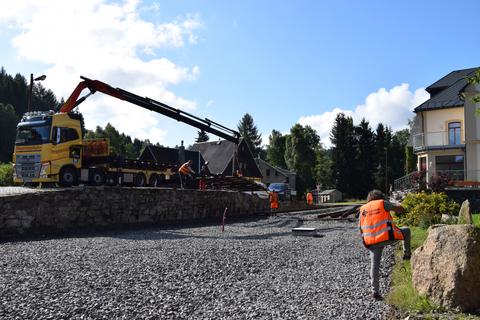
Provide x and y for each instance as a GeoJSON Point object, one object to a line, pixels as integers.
{"type": "Point", "coordinates": [74, 208]}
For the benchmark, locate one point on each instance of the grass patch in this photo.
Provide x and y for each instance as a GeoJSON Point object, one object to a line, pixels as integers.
{"type": "Point", "coordinates": [402, 294]}
{"type": "Point", "coordinates": [476, 219]}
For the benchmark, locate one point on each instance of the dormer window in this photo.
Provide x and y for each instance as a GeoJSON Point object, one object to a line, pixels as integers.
{"type": "Point", "coordinates": [454, 133]}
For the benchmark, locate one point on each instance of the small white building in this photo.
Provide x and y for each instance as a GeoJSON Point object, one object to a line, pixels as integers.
{"type": "Point", "coordinates": [330, 196]}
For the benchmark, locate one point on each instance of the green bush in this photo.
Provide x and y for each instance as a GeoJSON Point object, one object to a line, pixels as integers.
{"type": "Point", "coordinates": [6, 174]}
{"type": "Point", "coordinates": [424, 209]}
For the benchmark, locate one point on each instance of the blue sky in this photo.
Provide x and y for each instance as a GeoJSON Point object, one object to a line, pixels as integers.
{"type": "Point", "coordinates": [282, 62]}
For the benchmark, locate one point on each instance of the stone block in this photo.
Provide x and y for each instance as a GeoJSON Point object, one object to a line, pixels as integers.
{"type": "Point", "coordinates": [465, 216]}
{"type": "Point", "coordinates": [446, 267]}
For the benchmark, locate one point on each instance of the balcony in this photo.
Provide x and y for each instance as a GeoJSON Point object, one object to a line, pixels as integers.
{"type": "Point", "coordinates": [437, 141]}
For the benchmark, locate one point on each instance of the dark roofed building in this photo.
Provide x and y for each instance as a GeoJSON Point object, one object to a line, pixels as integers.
{"type": "Point", "coordinates": [445, 93]}
{"type": "Point", "coordinates": [220, 155]}
{"type": "Point", "coordinates": [172, 156]}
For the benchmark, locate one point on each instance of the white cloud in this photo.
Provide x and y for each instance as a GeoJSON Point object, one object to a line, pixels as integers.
{"type": "Point", "coordinates": [104, 40]}
{"type": "Point", "coordinates": [391, 107]}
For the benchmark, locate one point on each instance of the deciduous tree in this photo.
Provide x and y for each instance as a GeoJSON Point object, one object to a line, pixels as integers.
{"type": "Point", "coordinates": [276, 149]}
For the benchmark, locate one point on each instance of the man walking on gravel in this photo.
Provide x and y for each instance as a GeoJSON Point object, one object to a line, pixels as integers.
{"type": "Point", "coordinates": [378, 230]}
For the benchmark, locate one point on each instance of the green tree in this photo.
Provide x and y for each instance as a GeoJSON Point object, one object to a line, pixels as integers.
{"type": "Point", "coordinates": [300, 149]}
{"type": "Point", "coordinates": [8, 125]}
{"type": "Point", "coordinates": [276, 149]}
{"type": "Point", "coordinates": [202, 137]}
{"type": "Point", "coordinates": [343, 153]}
{"type": "Point", "coordinates": [43, 99]}
{"type": "Point", "coordinates": [364, 159]}
{"type": "Point", "coordinates": [249, 132]}
{"type": "Point", "coordinates": [410, 160]}
{"type": "Point", "coordinates": [397, 155]}
{"type": "Point", "coordinates": [323, 167]}
{"type": "Point", "coordinates": [380, 157]}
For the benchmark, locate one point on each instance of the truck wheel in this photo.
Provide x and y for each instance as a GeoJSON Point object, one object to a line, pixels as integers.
{"type": "Point", "coordinates": [97, 177]}
{"type": "Point", "coordinates": [68, 177]}
{"type": "Point", "coordinates": [139, 180]}
{"type": "Point", "coordinates": [153, 180]}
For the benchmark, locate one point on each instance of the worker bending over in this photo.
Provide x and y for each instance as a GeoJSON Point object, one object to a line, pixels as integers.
{"type": "Point", "coordinates": [185, 172]}
{"type": "Point", "coordinates": [378, 231]}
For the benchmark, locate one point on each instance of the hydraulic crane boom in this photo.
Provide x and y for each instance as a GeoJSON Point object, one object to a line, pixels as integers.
{"type": "Point", "coordinates": [206, 125]}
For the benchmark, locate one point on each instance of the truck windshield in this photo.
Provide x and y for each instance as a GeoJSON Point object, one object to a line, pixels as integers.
{"type": "Point", "coordinates": [28, 135]}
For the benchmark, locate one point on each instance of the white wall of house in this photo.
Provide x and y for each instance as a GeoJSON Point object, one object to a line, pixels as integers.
{"type": "Point", "coordinates": [436, 125]}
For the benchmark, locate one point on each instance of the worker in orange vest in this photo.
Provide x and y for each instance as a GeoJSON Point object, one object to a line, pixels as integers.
{"type": "Point", "coordinates": [273, 196]}
{"type": "Point", "coordinates": [185, 172]}
{"type": "Point", "coordinates": [309, 198]}
{"type": "Point", "coordinates": [378, 231]}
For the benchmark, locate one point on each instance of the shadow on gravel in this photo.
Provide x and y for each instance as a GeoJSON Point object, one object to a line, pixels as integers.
{"type": "Point", "coordinates": [178, 235]}
{"type": "Point", "coordinates": [279, 223]}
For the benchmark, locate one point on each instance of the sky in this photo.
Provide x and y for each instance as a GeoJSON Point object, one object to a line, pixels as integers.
{"type": "Point", "coordinates": [283, 62]}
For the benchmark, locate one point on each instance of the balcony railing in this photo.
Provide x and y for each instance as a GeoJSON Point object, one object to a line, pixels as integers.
{"type": "Point", "coordinates": [455, 178]}
{"type": "Point", "coordinates": [434, 139]}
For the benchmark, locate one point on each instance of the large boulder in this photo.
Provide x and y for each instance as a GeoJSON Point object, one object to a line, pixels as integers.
{"type": "Point", "coordinates": [447, 267]}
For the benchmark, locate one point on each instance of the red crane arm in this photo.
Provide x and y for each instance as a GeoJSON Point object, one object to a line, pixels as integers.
{"type": "Point", "coordinates": [93, 86]}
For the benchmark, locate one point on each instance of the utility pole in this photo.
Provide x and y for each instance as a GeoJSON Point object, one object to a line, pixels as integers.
{"type": "Point", "coordinates": [30, 89]}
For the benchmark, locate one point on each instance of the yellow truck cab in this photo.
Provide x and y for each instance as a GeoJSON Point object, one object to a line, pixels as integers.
{"type": "Point", "coordinates": [49, 148]}
{"type": "Point", "coordinates": [46, 145]}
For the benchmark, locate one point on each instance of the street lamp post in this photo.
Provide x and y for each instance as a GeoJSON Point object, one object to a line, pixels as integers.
{"type": "Point", "coordinates": [30, 90]}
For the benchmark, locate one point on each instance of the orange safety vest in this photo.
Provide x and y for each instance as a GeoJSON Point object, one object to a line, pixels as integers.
{"type": "Point", "coordinates": [273, 200]}
{"type": "Point", "coordinates": [309, 198]}
{"type": "Point", "coordinates": [184, 169]}
{"type": "Point", "coordinates": [376, 224]}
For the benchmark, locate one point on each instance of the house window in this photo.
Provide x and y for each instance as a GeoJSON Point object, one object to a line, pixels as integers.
{"type": "Point", "coordinates": [454, 133]}
{"type": "Point", "coordinates": [451, 165]}
{"type": "Point", "coordinates": [268, 172]}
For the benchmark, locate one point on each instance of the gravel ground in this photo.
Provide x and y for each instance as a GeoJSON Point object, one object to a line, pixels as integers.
{"type": "Point", "coordinates": [254, 269]}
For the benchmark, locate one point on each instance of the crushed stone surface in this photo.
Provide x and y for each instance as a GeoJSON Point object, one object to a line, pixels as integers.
{"type": "Point", "coordinates": [253, 270]}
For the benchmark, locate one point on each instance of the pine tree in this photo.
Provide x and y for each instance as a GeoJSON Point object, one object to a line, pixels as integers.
{"type": "Point", "coordinates": [249, 132]}
{"type": "Point", "coordinates": [364, 159]}
{"type": "Point", "coordinates": [8, 125]}
{"type": "Point", "coordinates": [202, 137]}
{"type": "Point", "coordinates": [343, 154]}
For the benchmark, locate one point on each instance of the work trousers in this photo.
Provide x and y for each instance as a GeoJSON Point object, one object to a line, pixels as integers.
{"type": "Point", "coordinates": [376, 256]}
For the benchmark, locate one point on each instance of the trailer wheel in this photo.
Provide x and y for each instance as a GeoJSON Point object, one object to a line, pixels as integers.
{"type": "Point", "coordinates": [68, 177]}
{"type": "Point", "coordinates": [161, 179]}
{"type": "Point", "coordinates": [139, 180]}
{"type": "Point", "coordinates": [111, 179]}
{"type": "Point", "coordinates": [97, 177]}
{"type": "Point", "coordinates": [153, 180]}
